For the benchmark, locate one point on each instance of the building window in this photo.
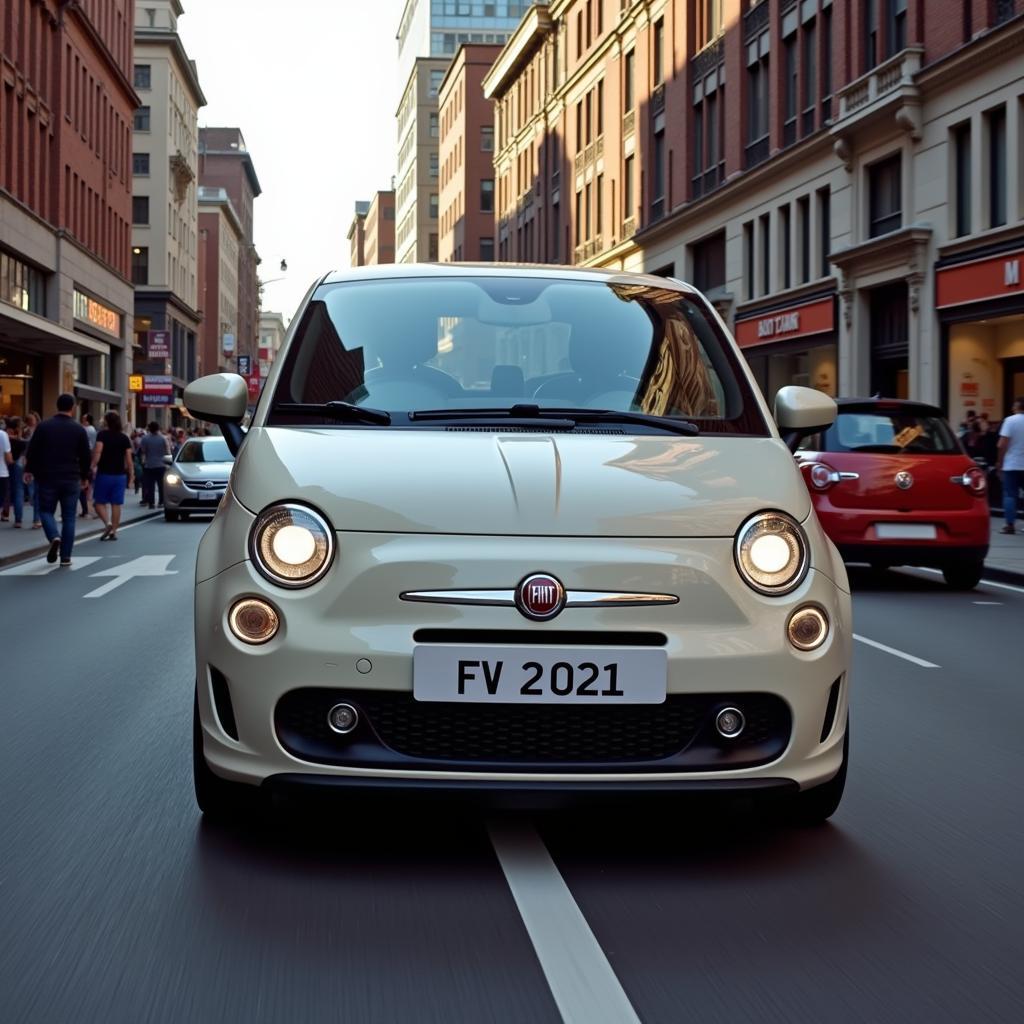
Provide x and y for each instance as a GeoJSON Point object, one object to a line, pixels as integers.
{"type": "Point", "coordinates": [709, 21]}
{"type": "Point", "coordinates": [486, 250]}
{"type": "Point", "coordinates": [628, 193]}
{"type": "Point", "coordinates": [142, 119]}
{"type": "Point", "coordinates": [142, 76]}
{"type": "Point", "coordinates": [579, 36]}
{"type": "Point", "coordinates": [803, 226]}
{"type": "Point", "coordinates": [748, 260]}
{"type": "Point", "coordinates": [962, 177]}
{"type": "Point", "coordinates": [891, 17]}
{"type": "Point", "coordinates": [436, 78]}
{"type": "Point", "coordinates": [598, 204]}
{"type": "Point", "coordinates": [786, 246]}
{"type": "Point", "coordinates": [487, 195]}
{"type": "Point", "coordinates": [826, 63]}
{"type": "Point", "coordinates": [810, 88]}
{"type": "Point", "coordinates": [871, 34]}
{"type": "Point", "coordinates": [433, 124]}
{"type": "Point", "coordinates": [995, 123]}
{"type": "Point", "coordinates": [791, 71]}
{"type": "Point", "coordinates": [895, 26]}
{"type": "Point", "coordinates": [140, 265]}
{"type": "Point", "coordinates": [629, 81]}
{"type": "Point", "coordinates": [21, 285]}
{"type": "Point", "coordinates": [433, 206]}
{"type": "Point", "coordinates": [708, 134]}
{"type": "Point", "coordinates": [432, 166]}
{"type": "Point", "coordinates": [658, 55]}
{"type": "Point", "coordinates": [765, 226]}
{"type": "Point", "coordinates": [758, 92]}
{"type": "Point", "coordinates": [885, 196]}
{"type": "Point", "coordinates": [487, 139]}
{"type": "Point", "coordinates": [709, 263]}
{"type": "Point", "coordinates": [658, 177]}
{"type": "Point", "coordinates": [825, 231]}
{"type": "Point", "coordinates": [432, 249]}
{"type": "Point", "coordinates": [140, 209]}
{"type": "Point", "coordinates": [140, 165]}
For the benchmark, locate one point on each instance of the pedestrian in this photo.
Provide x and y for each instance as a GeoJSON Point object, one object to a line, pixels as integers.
{"type": "Point", "coordinates": [58, 460]}
{"type": "Point", "coordinates": [153, 447]}
{"type": "Point", "coordinates": [1010, 463]}
{"type": "Point", "coordinates": [90, 430]}
{"type": "Point", "coordinates": [6, 459]}
{"type": "Point", "coordinates": [115, 470]}
{"type": "Point", "coordinates": [32, 420]}
{"type": "Point", "coordinates": [16, 485]}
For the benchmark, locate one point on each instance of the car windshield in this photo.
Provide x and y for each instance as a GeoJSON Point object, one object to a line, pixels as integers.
{"type": "Point", "coordinates": [458, 345]}
{"type": "Point", "coordinates": [209, 449]}
{"type": "Point", "coordinates": [894, 432]}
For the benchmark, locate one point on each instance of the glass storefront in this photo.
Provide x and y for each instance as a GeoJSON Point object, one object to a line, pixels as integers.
{"type": "Point", "coordinates": [986, 367]}
{"type": "Point", "coordinates": [777, 366]}
{"type": "Point", "coordinates": [20, 383]}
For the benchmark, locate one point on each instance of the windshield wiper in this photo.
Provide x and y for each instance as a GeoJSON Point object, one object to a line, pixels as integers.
{"type": "Point", "coordinates": [336, 410]}
{"type": "Point", "coordinates": [573, 415]}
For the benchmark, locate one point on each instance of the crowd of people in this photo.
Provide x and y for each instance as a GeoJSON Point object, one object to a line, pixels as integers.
{"type": "Point", "coordinates": [85, 471]}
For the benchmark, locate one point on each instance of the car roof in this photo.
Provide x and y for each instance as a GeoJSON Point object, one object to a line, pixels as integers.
{"type": "Point", "coordinates": [904, 404]}
{"type": "Point", "coordinates": [396, 271]}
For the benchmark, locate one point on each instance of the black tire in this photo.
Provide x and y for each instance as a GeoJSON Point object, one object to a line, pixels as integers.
{"type": "Point", "coordinates": [218, 799]}
{"type": "Point", "coordinates": [183, 516]}
{"type": "Point", "coordinates": [815, 806]}
{"type": "Point", "coordinates": [169, 516]}
{"type": "Point", "coordinates": [964, 577]}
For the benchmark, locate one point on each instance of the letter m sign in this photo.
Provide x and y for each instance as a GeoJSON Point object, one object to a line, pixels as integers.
{"type": "Point", "coordinates": [1011, 273]}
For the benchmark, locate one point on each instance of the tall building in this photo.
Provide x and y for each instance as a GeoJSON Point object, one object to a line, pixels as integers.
{"type": "Point", "coordinates": [272, 332]}
{"type": "Point", "coordinates": [66, 108]}
{"type": "Point", "coordinates": [224, 162]}
{"type": "Point", "coordinates": [357, 234]}
{"type": "Point", "coordinates": [429, 33]}
{"type": "Point", "coordinates": [165, 209]}
{"type": "Point", "coordinates": [379, 243]}
{"type": "Point", "coordinates": [466, 155]}
{"type": "Point", "coordinates": [842, 177]}
{"type": "Point", "coordinates": [221, 239]}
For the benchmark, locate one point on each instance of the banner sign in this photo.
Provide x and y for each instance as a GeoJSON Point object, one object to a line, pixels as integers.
{"type": "Point", "coordinates": [801, 321]}
{"type": "Point", "coordinates": [245, 365]}
{"type": "Point", "coordinates": [159, 345]}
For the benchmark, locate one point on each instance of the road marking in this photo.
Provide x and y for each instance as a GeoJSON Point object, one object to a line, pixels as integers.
{"type": "Point", "coordinates": [120, 529]}
{"type": "Point", "coordinates": [996, 604]}
{"type": "Point", "coordinates": [144, 565]}
{"type": "Point", "coordinates": [985, 583]}
{"type": "Point", "coordinates": [581, 980]}
{"type": "Point", "coordinates": [41, 567]}
{"type": "Point", "coordinates": [892, 650]}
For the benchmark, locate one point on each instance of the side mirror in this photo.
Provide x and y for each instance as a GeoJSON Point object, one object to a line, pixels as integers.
{"type": "Point", "coordinates": [220, 398]}
{"type": "Point", "coordinates": [167, 460]}
{"type": "Point", "coordinates": [802, 411]}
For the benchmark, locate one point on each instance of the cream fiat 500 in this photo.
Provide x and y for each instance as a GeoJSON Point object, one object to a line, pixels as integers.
{"type": "Point", "coordinates": [516, 529]}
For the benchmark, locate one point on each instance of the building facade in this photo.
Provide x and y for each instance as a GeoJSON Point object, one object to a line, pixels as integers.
{"type": "Point", "coordinates": [357, 234]}
{"type": "Point", "coordinates": [466, 157]}
{"type": "Point", "coordinates": [272, 332]}
{"type": "Point", "coordinates": [379, 243]}
{"type": "Point", "coordinates": [66, 108]}
{"type": "Point", "coordinates": [225, 163]}
{"type": "Point", "coordinates": [221, 240]}
{"type": "Point", "coordinates": [842, 177]}
{"type": "Point", "coordinates": [165, 210]}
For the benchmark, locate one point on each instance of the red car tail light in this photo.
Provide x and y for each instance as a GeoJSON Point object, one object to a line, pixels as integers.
{"type": "Point", "coordinates": [974, 480]}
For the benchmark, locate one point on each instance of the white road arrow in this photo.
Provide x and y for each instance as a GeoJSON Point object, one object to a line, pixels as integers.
{"type": "Point", "coordinates": [145, 565]}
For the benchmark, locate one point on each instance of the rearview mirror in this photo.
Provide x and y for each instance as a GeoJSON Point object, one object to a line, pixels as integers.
{"type": "Point", "coordinates": [220, 398]}
{"type": "Point", "coordinates": [802, 411]}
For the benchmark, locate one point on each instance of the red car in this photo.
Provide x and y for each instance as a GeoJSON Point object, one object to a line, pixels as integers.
{"type": "Point", "coordinates": [892, 485]}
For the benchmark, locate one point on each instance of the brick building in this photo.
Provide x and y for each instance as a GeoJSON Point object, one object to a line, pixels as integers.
{"type": "Point", "coordinates": [841, 176]}
{"type": "Point", "coordinates": [466, 158]}
{"type": "Point", "coordinates": [379, 243]}
{"type": "Point", "coordinates": [357, 234]}
{"type": "Point", "coordinates": [225, 163]}
{"type": "Point", "coordinates": [66, 108]}
{"type": "Point", "coordinates": [221, 238]}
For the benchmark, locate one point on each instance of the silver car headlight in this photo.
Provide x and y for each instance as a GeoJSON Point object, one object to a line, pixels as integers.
{"type": "Point", "coordinates": [291, 545]}
{"type": "Point", "coordinates": [771, 553]}
{"type": "Point", "coordinates": [172, 479]}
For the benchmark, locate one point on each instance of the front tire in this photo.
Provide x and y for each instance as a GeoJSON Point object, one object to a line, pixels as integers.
{"type": "Point", "coordinates": [964, 577]}
{"type": "Point", "coordinates": [815, 806]}
{"type": "Point", "coordinates": [218, 799]}
{"type": "Point", "coordinates": [169, 516]}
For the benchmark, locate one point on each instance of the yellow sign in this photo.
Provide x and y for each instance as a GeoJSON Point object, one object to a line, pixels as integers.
{"type": "Point", "coordinates": [135, 382]}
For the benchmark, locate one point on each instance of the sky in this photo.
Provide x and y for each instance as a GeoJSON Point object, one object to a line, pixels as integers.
{"type": "Point", "coordinates": [313, 86]}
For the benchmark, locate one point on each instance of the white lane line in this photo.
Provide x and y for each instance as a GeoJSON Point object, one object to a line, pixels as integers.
{"type": "Point", "coordinates": [40, 566]}
{"type": "Point", "coordinates": [994, 604]}
{"type": "Point", "coordinates": [581, 980]}
{"type": "Point", "coordinates": [892, 650]}
{"type": "Point", "coordinates": [983, 583]}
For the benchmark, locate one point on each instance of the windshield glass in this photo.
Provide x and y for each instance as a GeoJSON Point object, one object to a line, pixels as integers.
{"type": "Point", "coordinates": [210, 449]}
{"type": "Point", "coordinates": [892, 432]}
{"type": "Point", "coordinates": [459, 343]}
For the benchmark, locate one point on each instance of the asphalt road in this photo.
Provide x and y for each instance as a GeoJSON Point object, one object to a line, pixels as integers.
{"type": "Point", "coordinates": [117, 903]}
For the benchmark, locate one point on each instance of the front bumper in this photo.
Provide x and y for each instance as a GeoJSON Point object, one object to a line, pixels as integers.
{"type": "Point", "coordinates": [350, 632]}
{"type": "Point", "coordinates": [181, 498]}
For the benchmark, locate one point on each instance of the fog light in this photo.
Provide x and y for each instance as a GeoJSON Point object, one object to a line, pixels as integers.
{"type": "Point", "coordinates": [730, 722]}
{"type": "Point", "coordinates": [808, 628]}
{"type": "Point", "coordinates": [253, 621]}
{"type": "Point", "coordinates": [342, 718]}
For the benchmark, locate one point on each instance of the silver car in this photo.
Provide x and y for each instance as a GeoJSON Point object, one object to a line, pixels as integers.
{"type": "Point", "coordinates": [196, 477]}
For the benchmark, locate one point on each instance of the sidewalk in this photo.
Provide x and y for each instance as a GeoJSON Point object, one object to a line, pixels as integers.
{"type": "Point", "coordinates": [16, 545]}
{"type": "Point", "coordinates": [1006, 553]}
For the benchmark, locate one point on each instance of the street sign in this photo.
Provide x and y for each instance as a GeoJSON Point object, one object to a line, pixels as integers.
{"type": "Point", "coordinates": [254, 386]}
{"type": "Point", "coordinates": [151, 398]}
{"type": "Point", "coordinates": [135, 382]}
{"type": "Point", "coordinates": [159, 345]}
{"type": "Point", "coordinates": [228, 344]}
{"type": "Point", "coordinates": [245, 365]}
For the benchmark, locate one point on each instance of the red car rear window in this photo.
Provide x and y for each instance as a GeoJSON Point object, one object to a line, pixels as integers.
{"type": "Point", "coordinates": [891, 431]}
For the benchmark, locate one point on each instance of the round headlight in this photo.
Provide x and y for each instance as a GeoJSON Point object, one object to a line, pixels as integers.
{"type": "Point", "coordinates": [172, 479]}
{"type": "Point", "coordinates": [771, 553]}
{"type": "Point", "coordinates": [291, 545]}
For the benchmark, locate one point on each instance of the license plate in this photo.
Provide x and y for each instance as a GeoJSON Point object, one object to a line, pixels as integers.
{"type": "Point", "coordinates": [905, 531]}
{"type": "Point", "coordinates": [209, 495]}
{"type": "Point", "coordinates": [539, 675]}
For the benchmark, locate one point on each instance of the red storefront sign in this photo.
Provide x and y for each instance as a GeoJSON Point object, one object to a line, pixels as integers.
{"type": "Point", "coordinates": [801, 321]}
{"type": "Point", "coordinates": [992, 278]}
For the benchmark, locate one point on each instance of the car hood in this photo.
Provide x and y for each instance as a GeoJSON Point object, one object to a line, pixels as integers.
{"type": "Point", "coordinates": [203, 470]}
{"type": "Point", "coordinates": [469, 481]}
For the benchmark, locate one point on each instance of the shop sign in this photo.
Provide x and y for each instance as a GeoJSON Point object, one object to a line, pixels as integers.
{"type": "Point", "coordinates": [158, 384]}
{"type": "Point", "coordinates": [227, 343]}
{"type": "Point", "coordinates": [135, 382]}
{"type": "Point", "coordinates": [990, 278]}
{"type": "Point", "coordinates": [158, 345]}
{"type": "Point", "coordinates": [802, 321]}
{"type": "Point", "coordinates": [254, 386]}
{"type": "Point", "coordinates": [156, 398]}
{"type": "Point", "coordinates": [89, 311]}
{"type": "Point", "coordinates": [244, 365]}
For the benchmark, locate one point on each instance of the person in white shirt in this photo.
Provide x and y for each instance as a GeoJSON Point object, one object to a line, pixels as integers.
{"type": "Point", "coordinates": [1010, 463]}
{"type": "Point", "coordinates": [5, 461]}
{"type": "Point", "coordinates": [90, 432]}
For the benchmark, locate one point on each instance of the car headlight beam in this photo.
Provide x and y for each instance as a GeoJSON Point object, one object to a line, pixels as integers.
{"type": "Point", "coordinates": [771, 553]}
{"type": "Point", "coordinates": [172, 479]}
{"type": "Point", "coordinates": [291, 545]}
